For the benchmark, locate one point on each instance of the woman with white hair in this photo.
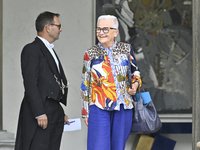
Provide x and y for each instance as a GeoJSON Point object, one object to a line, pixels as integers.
{"type": "Point", "coordinates": [107, 106]}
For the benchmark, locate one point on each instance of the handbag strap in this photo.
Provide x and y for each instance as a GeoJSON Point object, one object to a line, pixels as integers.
{"type": "Point", "coordinates": [140, 100]}
{"type": "Point", "coordinates": [129, 71]}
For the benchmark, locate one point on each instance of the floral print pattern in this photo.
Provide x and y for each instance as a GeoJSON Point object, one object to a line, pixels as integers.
{"type": "Point", "coordinates": [98, 85]}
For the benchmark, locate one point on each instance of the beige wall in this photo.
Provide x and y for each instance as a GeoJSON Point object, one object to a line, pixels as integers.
{"type": "Point", "coordinates": [77, 35]}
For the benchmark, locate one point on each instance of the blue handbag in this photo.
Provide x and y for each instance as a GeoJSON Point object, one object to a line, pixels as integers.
{"type": "Point", "coordinates": [145, 117]}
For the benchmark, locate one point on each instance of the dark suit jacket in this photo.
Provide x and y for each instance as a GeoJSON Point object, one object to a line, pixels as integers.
{"type": "Point", "coordinates": [38, 70]}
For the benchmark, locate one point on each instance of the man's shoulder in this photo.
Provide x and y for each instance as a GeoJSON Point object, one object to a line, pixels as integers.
{"type": "Point", "coordinates": [31, 47]}
{"type": "Point", "coordinates": [31, 43]}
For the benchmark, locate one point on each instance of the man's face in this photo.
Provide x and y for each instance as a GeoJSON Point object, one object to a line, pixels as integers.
{"type": "Point", "coordinates": [55, 29]}
{"type": "Point", "coordinates": [106, 39]}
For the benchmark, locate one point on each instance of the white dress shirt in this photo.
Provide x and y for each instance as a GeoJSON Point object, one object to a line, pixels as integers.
{"type": "Point", "coordinates": [50, 48]}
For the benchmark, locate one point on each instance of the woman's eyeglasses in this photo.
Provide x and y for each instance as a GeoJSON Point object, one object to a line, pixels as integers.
{"type": "Point", "coordinates": [104, 29]}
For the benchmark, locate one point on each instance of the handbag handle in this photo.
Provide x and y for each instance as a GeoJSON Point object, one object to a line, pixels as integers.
{"type": "Point", "coordinates": [140, 101]}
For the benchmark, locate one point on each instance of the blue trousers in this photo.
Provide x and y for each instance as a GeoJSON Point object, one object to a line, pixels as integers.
{"type": "Point", "coordinates": [108, 130]}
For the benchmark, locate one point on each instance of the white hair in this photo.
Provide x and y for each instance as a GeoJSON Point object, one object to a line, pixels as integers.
{"type": "Point", "coordinates": [109, 17]}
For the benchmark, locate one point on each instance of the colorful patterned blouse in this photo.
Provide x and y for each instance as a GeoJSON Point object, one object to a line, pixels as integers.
{"type": "Point", "coordinates": [105, 77]}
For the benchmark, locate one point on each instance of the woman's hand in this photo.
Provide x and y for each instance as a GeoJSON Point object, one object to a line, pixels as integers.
{"type": "Point", "coordinates": [134, 88]}
{"type": "Point", "coordinates": [86, 121]}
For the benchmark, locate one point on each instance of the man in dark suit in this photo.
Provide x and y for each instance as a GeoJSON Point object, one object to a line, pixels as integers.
{"type": "Point", "coordinates": [42, 118]}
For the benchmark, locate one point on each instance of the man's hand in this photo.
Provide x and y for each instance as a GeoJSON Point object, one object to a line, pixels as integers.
{"type": "Point", "coordinates": [66, 119]}
{"type": "Point", "coordinates": [86, 121]}
{"type": "Point", "coordinates": [134, 88]}
{"type": "Point", "coordinates": [42, 121]}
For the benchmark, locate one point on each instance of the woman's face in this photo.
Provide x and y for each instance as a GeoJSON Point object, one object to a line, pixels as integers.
{"type": "Point", "coordinates": [106, 39]}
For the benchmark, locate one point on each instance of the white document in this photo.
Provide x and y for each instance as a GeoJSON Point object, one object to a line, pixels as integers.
{"type": "Point", "coordinates": [75, 124]}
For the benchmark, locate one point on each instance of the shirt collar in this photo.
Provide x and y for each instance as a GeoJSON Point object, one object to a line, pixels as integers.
{"type": "Point", "coordinates": [106, 47]}
{"type": "Point", "coordinates": [47, 44]}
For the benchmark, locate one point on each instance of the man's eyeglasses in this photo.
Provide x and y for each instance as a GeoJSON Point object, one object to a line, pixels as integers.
{"type": "Point", "coordinates": [58, 25]}
{"type": "Point", "coordinates": [104, 29]}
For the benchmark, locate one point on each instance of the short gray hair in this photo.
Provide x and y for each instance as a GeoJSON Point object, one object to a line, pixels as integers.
{"type": "Point", "coordinates": [109, 17]}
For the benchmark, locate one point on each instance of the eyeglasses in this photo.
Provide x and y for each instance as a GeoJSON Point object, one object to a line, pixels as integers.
{"type": "Point", "coordinates": [104, 29]}
{"type": "Point", "coordinates": [58, 25]}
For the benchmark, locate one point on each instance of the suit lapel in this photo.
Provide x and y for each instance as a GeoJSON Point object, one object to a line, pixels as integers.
{"type": "Point", "coordinates": [48, 56]}
{"type": "Point", "coordinates": [54, 68]}
{"type": "Point", "coordinates": [62, 74]}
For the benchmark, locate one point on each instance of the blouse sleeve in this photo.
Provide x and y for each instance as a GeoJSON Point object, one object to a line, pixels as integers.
{"type": "Point", "coordinates": [85, 85]}
{"type": "Point", "coordinates": [135, 72]}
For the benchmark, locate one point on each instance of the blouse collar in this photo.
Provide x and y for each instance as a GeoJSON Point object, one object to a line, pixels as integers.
{"type": "Point", "coordinates": [106, 48]}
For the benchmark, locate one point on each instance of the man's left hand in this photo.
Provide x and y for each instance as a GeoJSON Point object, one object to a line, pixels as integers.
{"type": "Point", "coordinates": [66, 119]}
